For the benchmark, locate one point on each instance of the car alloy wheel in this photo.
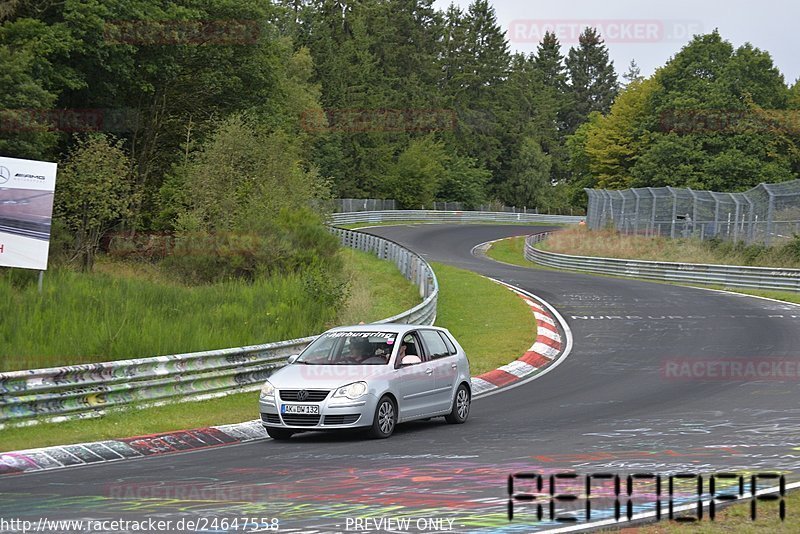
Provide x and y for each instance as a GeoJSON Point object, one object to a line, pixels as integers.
{"type": "Point", "coordinates": [385, 419]}
{"type": "Point", "coordinates": [461, 404]}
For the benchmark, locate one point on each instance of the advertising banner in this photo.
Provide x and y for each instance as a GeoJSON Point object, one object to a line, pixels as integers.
{"type": "Point", "coordinates": [26, 211]}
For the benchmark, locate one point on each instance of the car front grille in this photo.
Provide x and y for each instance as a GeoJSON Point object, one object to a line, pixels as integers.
{"type": "Point", "coordinates": [271, 418]}
{"type": "Point", "coordinates": [346, 419]}
{"type": "Point", "coordinates": [297, 419]}
{"type": "Point", "coordinates": [314, 395]}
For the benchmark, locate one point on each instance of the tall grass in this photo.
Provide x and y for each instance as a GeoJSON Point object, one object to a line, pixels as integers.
{"type": "Point", "coordinates": [81, 318]}
{"type": "Point", "coordinates": [133, 310]}
{"type": "Point", "coordinates": [610, 244]}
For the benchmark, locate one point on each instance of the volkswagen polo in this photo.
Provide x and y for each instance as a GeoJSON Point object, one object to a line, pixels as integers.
{"type": "Point", "coordinates": [371, 377]}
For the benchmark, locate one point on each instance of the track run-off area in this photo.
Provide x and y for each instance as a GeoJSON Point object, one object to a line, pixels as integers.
{"type": "Point", "coordinates": [640, 392]}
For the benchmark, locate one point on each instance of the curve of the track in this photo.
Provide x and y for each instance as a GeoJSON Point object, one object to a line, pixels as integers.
{"type": "Point", "coordinates": [609, 407]}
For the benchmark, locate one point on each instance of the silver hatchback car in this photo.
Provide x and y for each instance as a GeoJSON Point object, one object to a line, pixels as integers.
{"type": "Point", "coordinates": [369, 376]}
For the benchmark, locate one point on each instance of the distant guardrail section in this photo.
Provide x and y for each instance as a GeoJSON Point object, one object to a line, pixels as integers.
{"type": "Point", "coordinates": [450, 217]}
{"type": "Point", "coordinates": [76, 391]}
{"type": "Point", "coordinates": [695, 273]}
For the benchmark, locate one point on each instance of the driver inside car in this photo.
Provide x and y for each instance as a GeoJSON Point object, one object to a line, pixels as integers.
{"type": "Point", "coordinates": [364, 352]}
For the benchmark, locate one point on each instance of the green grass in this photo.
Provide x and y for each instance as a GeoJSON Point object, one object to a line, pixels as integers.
{"type": "Point", "coordinates": [492, 324]}
{"type": "Point", "coordinates": [735, 518]}
{"type": "Point", "coordinates": [134, 421]}
{"type": "Point", "coordinates": [378, 291]}
{"type": "Point", "coordinates": [580, 241]}
{"type": "Point", "coordinates": [126, 310]}
{"type": "Point", "coordinates": [510, 250]}
{"type": "Point", "coordinates": [97, 317]}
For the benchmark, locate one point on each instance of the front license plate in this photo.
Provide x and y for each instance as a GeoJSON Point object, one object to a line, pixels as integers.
{"type": "Point", "coordinates": [310, 409]}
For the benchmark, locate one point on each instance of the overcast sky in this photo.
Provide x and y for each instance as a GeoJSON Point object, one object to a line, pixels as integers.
{"type": "Point", "coordinates": [652, 31]}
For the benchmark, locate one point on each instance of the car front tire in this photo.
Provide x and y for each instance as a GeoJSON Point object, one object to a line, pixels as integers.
{"type": "Point", "coordinates": [279, 434]}
{"type": "Point", "coordinates": [385, 419]}
{"type": "Point", "coordinates": [461, 405]}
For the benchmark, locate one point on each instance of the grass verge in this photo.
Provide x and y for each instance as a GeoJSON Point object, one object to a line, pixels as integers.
{"type": "Point", "coordinates": [492, 324]}
{"type": "Point", "coordinates": [378, 291]}
{"type": "Point", "coordinates": [510, 250]}
{"type": "Point", "coordinates": [735, 518]}
{"type": "Point", "coordinates": [580, 241]}
{"type": "Point", "coordinates": [126, 310]}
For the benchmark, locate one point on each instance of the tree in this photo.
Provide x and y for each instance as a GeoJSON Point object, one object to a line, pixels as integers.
{"type": "Point", "coordinates": [593, 81]}
{"type": "Point", "coordinates": [550, 63]}
{"type": "Point", "coordinates": [634, 73]}
{"type": "Point", "coordinates": [25, 128]}
{"type": "Point", "coordinates": [463, 182]}
{"type": "Point", "coordinates": [529, 180]}
{"type": "Point", "coordinates": [241, 178]}
{"type": "Point", "coordinates": [418, 173]}
{"type": "Point", "coordinates": [615, 141]}
{"type": "Point", "coordinates": [94, 192]}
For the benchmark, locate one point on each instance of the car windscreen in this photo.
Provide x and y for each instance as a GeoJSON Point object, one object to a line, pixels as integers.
{"type": "Point", "coordinates": [349, 348]}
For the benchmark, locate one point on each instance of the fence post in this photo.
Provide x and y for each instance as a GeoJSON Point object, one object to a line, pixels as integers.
{"type": "Point", "coordinates": [674, 211]}
{"type": "Point", "coordinates": [770, 215]}
{"type": "Point", "coordinates": [636, 212]}
{"type": "Point", "coordinates": [653, 213]}
{"type": "Point", "coordinates": [750, 235]}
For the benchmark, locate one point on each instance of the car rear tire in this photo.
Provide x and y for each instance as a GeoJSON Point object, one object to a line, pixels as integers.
{"type": "Point", "coordinates": [461, 404]}
{"type": "Point", "coordinates": [279, 434]}
{"type": "Point", "coordinates": [385, 419]}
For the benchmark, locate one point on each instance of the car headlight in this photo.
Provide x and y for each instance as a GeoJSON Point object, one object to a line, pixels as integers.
{"type": "Point", "coordinates": [267, 391]}
{"type": "Point", "coordinates": [352, 391]}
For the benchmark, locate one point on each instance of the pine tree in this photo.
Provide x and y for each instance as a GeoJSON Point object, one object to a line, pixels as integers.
{"type": "Point", "coordinates": [634, 74]}
{"type": "Point", "coordinates": [593, 80]}
{"type": "Point", "coordinates": [550, 63]}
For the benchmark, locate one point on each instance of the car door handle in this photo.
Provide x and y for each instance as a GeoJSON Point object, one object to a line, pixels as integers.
{"type": "Point", "coordinates": [454, 365]}
{"type": "Point", "coordinates": [428, 371]}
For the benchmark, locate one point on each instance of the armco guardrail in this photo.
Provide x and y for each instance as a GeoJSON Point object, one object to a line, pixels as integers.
{"type": "Point", "coordinates": [449, 217]}
{"type": "Point", "coordinates": [696, 273]}
{"type": "Point", "coordinates": [81, 390]}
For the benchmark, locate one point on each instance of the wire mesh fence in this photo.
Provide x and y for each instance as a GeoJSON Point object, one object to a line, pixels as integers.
{"type": "Point", "coordinates": [349, 205]}
{"type": "Point", "coordinates": [767, 213]}
{"type": "Point", "coordinates": [352, 205]}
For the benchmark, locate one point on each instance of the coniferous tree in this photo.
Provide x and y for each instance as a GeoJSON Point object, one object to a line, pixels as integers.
{"type": "Point", "coordinates": [593, 80]}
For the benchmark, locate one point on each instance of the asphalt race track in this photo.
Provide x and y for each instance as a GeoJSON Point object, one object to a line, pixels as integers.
{"type": "Point", "coordinates": [610, 407]}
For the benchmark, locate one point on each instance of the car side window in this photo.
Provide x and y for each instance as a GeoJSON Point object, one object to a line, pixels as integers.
{"type": "Point", "coordinates": [434, 344]}
{"type": "Point", "coordinates": [409, 346]}
{"type": "Point", "coordinates": [451, 349]}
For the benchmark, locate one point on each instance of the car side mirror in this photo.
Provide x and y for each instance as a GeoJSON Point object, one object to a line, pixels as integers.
{"type": "Point", "coordinates": [292, 358]}
{"type": "Point", "coordinates": [410, 360]}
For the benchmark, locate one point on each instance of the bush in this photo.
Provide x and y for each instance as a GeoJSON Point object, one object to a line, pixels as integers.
{"type": "Point", "coordinates": [298, 241]}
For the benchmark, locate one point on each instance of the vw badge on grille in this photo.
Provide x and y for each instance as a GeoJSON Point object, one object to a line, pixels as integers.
{"type": "Point", "coordinates": [302, 395]}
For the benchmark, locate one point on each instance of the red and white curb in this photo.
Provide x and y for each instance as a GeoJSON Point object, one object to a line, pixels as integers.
{"type": "Point", "coordinates": [546, 350]}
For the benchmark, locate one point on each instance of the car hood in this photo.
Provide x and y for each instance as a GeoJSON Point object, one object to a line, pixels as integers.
{"type": "Point", "coordinates": [299, 376]}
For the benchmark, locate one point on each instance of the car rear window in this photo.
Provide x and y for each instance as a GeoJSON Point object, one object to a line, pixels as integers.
{"type": "Point", "coordinates": [434, 344]}
{"type": "Point", "coordinates": [450, 347]}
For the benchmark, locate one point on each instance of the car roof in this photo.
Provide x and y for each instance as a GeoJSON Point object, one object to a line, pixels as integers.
{"type": "Point", "coordinates": [383, 327]}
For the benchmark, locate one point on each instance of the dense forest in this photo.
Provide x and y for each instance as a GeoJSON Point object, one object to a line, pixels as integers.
{"type": "Point", "coordinates": [239, 116]}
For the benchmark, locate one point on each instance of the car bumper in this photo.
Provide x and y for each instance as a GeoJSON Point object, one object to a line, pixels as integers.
{"type": "Point", "coordinates": [332, 415]}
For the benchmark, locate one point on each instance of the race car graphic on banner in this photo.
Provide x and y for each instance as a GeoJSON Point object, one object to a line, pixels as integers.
{"type": "Point", "coordinates": [26, 211]}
